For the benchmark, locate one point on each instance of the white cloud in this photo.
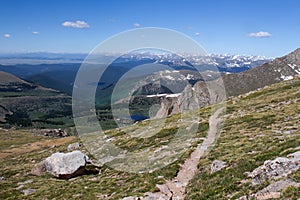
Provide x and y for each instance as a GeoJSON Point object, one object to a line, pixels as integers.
{"type": "Point", "coordinates": [137, 25]}
{"type": "Point", "coordinates": [35, 32]}
{"type": "Point", "coordinates": [260, 34]}
{"type": "Point", "coordinates": [197, 34]}
{"type": "Point", "coordinates": [76, 24]}
{"type": "Point", "coordinates": [6, 35]}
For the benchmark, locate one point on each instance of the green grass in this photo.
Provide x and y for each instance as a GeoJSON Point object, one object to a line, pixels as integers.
{"type": "Point", "coordinates": [12, 139]}
{"type": "Point", "coordinates": [250, 137]}
{"type": "Point", "coordinates": [29, 93]}
{"type": "Point", "coordinates": [108, 181]}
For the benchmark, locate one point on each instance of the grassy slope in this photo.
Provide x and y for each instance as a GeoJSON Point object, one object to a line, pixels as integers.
{"type": "Point", "coordinates": [252, 133]}
{"type": "Point", "coordinates": [248, 138]}
{"type": "Point", "coordinates": [107, 181]}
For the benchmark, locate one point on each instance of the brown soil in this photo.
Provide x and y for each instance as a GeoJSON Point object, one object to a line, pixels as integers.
{"type": "Point", "coordinates": [36, 146]}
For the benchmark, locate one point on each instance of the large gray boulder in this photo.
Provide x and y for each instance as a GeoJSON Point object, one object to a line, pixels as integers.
{"type": "Point", "coordinates": [66, 165]}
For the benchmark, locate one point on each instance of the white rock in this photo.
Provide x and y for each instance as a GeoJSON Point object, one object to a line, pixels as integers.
{"type": "Point", "coordinates": [66, 165]}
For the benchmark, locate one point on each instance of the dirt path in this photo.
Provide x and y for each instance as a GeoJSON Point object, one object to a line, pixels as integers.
{"type": "Point", "coordinates": [35, 146]}
{"type": "Point", "coordinates": [176, 188]}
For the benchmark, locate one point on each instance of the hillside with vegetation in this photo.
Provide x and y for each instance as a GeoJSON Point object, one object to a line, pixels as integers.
{"type": "Point", "coordinates": [257, 126]}
{"type": "Point", "coordinates": [26, 104]}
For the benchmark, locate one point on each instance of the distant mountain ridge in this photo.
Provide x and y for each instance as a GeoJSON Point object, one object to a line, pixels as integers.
{"type": "Point", "coordinates": [280, 69]}
{"type": "Point", "coordinates": [61, 75]}
{"type": "Point", "coordinates": [283, 68]}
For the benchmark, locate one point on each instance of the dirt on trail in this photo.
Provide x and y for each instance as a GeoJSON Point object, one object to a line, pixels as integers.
{"type": "Point", "coordinates": [175, 189]}
{"type": "Point", "coordinates": [35, 146]}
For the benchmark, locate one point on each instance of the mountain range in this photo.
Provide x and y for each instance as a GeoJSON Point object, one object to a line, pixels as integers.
{"type": "Point", "coordinates": [193, 88]}
{"type": "Point", "coordinates": [61, 74]}
{"type": "Point", "coordinates": [173, 89]}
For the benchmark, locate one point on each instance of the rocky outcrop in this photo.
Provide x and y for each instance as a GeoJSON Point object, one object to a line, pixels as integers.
{"type": "Point", "coordinates": [275, 169]}
{"type": "Point", "coordinates": [272, 171]}
{"type": "Point", "coordinates": [28, 191]}
{"type": "Point", "coordinates": [274, 188]}
{"type": "Point", "coordinates": [66, 165]}
{"type": "Point", "coordinates": [192, 97]}
{"type": "Point", "coordinates": [272, 191]}
{"type": "Point", "coordinates": [168, 106]}
{"type": "Point", "coordinates": [284, 68]}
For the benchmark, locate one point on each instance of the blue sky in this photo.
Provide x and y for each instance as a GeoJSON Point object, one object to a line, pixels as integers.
{"type": "Point", "coordinates": [258, 27]}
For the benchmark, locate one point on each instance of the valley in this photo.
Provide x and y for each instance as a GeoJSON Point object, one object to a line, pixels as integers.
{"type": "Point", "coordinates": [149, 100]}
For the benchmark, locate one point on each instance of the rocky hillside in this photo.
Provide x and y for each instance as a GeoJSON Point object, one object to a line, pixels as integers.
{"type": "Point", "coordinates": [284, 68]}
{"type": "Point", "coordinates": [280, 69]}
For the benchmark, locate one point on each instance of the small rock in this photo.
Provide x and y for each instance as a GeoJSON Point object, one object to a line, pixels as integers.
{"type": "Point", "coordinates": [2, 178]}
{"type": "Point", "coordinates": [38, 170]}
{"type": "Point", "coordinates": [165, 190]}
{"type": "Point", "coordinates": [217, 165]}
{"type": "Point", "coordinates": [19, 187]}
{"type": "Point", "coordinates": [66, 165]}
{"type": "Point", "coordinates": [156, 196]}
{"type": "Point", "coordinates": [243, 198]}
{"type": "Point", "coordinates": [73, 179]}
{"type": "Point", "coordinates": [74, 146]}
{"type": "Point", "coordinates": [102, 196]}
{"type": "Point", "coordinates": [94, 179]}
{"type": "Point", "coordinates": [25, 182]}
{"type": "Point", "coordinates": [28, 191]}
{"type": "Point", "coordinates": [130, 198]}
{"type": "Point", "coordinates": [287, 132]}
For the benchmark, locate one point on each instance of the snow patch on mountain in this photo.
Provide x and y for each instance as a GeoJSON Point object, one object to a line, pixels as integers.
{"type": "Point", "coordinates": [189, 77]}
{"type": "Point", "coordinates": [212, 60]}
{"type": "Point", "coordinates": [165, 95]}
{"type": "Point", "coordinates": [169, 77]}
{"type": "Point", "coordinates": [293, 66]}
{"type": "Point", "coordinates": [285, 78]}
